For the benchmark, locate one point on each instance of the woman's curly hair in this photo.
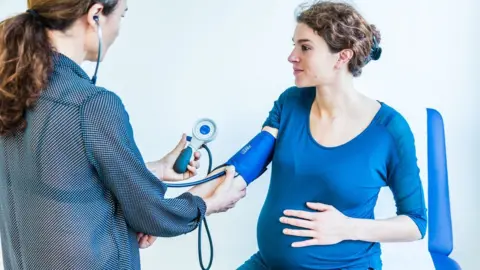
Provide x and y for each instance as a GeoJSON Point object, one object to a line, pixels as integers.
{"type": "Point", "coordinates": [342, 27]}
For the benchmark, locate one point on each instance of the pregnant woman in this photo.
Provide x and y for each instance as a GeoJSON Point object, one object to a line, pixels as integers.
{"type": "Point", "coordinates": [335, 149]}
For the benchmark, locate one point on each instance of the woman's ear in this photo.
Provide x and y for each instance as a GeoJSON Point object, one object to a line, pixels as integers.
{"type": "Point", "coordinates": [95, 15]}
{"type": "Point", "coordinates": [344, 57]}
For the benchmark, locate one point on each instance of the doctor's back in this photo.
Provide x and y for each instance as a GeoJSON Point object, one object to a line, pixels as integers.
{"type": "Point", "coordinates": [74, 189]}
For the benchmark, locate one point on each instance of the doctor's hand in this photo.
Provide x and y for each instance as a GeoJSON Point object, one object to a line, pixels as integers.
{"type": "Point", "coordinates": [145, 241]}
{"type": "Point", "coordinates": [223, 193]}
{"type": "Point", "coordinates": [163, 168]}
{"type": "Point", "coordinates": [325, 226]}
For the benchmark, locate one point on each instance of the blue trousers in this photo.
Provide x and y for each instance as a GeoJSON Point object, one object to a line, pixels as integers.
{"type": "Point", "coordinates": [255, 262]}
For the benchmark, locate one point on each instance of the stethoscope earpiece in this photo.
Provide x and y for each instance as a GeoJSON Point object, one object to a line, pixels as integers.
{"type": "Point", "coordinates": [99, 33]}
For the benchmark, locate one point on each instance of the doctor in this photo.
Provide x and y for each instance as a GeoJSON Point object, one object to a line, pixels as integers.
{"type": "Point", "coordinates": [75, 191]}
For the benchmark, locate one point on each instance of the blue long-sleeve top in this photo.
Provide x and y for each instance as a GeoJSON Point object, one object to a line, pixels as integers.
{"type": "Point", "coordinates": [74, 189]}
{"type": "Point", "coordinates": [348, 177]}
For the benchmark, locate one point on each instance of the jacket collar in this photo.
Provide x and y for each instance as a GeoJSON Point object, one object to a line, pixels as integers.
{"type": "Point", "coordinates": [61, 60]}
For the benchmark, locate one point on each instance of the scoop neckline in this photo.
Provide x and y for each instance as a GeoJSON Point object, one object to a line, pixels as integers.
{"type": "Point", "coordinates": [349, 142]}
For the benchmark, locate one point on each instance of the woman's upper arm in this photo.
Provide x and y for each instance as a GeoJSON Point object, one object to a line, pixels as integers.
{"type": "Point", "coordinates": [272, 123]}
{"type": "Point", "coordinates": [404, 175]}
{"type": "Point", "coordinates": [271, 130]}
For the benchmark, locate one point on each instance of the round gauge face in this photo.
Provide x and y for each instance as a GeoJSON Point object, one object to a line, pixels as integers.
{"type": "Point", "coordinates": [205, 130]}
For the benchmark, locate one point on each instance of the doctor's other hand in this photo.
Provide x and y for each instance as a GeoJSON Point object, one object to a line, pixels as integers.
{"type": "Point", "coordinates": [145, 241]}
{"type": "Point", "coordinates": [222, 194]}
{"type": "Point", "coordinates": [163, 168]}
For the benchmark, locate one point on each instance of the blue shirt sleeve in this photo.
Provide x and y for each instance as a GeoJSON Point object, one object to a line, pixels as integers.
{"type": "Point", "coordinates": [404, 175]}
{"type": "Point", "coordinates": [111, 149]}
{"type": "Point", "coordinates": [273, 119]}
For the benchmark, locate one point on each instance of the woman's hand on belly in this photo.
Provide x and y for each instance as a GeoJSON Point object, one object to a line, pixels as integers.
{"type": "Point", "coordinates": [325, 226]}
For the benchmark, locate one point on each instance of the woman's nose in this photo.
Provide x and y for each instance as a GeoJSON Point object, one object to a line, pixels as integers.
{"type": "Point", "coordinates": [292, 57]}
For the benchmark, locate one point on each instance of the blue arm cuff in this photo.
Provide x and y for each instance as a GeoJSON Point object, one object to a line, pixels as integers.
{"type": "Point", "coordinates": [252, 160]}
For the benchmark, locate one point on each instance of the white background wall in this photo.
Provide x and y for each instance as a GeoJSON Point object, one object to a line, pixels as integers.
{"type": "Point", "coordinates": [212, 58]}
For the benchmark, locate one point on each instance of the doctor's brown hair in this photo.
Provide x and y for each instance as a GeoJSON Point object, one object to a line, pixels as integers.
{"type": "Point", "coordinates": [26, 54]}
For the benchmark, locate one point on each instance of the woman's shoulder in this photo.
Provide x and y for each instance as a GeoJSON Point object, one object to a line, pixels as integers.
{"type": "Point", "coordinates": [393, 121]}
{"type": "Point", "coordinates": [294, 94]}
{"type": "Point", "coordinates": [73, 91]}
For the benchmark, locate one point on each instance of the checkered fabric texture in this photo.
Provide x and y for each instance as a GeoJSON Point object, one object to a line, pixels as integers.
{"type": "Point", "coordinates": [74, 189]}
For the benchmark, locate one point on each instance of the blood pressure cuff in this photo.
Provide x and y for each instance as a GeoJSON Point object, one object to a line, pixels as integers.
{"type": "Point", "coordinates": [251, 160]}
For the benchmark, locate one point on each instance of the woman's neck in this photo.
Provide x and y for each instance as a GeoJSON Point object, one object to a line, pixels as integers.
{"type": "Point", "coordinates": [70, 44]}
{"type": "Point", "coordinates": [334, 100]}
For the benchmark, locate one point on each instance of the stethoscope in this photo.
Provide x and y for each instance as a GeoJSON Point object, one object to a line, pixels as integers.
{"type": "Point", "coordinates": [100, 43]}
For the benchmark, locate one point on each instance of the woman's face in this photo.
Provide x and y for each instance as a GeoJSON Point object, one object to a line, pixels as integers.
{"type": "Point", "coordinates": [313, 62]}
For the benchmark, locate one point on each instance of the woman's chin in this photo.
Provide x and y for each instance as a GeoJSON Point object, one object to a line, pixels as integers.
{"type": "Point", "coordinates": [302, 83]}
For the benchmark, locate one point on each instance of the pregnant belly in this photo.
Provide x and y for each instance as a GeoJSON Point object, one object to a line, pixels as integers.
{"type": "Point", "coordinates": [277, 252]}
